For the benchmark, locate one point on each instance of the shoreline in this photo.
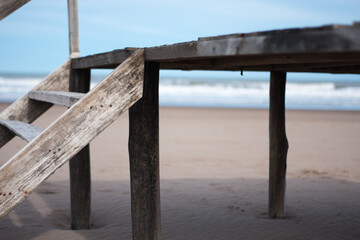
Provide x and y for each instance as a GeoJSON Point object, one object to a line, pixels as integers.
{"type": "Point", "coordinates": [4, 104]}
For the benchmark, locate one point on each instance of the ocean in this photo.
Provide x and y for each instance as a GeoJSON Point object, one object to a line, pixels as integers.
{"type": "Point", "coordinates": [223, 93]}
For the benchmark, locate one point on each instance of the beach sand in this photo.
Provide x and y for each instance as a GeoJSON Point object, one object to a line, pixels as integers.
{"type": "Point", "coordinates": [214, 179]}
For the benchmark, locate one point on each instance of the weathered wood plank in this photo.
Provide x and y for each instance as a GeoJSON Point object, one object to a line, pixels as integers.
{"type": "Point", "coordinates": [288, 41]}
{"type": "Point", "coordinates": [317, 45]}
{"type": "Point", "coordinates": [79, 165]}
{"type": "Point", "coordinates": [246, 62]}
{"type": "Point", "coordinates": [73, 29]}
{"type": "Point", "coordinates": [102, 60]}
{"type": "Point", "coordinates": [269, 64]}
{"type": "Point", "coordinates": [278, 145]}
{"type": "Point", "coordinates": [144, 159]}
{"type": "Point", "coordinates": [309, 68]}
{"type": "Point", "coordinates": [60, 98]}
{"type": "Point", "coordinates": [24, 130]}
{"type": "Point", "coordinates": [9, 6]}
{"type": "Point", "coordinates": [71, 132]}
{"type": "Point", "coordinates": [80, 189]}
{"type": "Point", "coordinates": [27, 110]}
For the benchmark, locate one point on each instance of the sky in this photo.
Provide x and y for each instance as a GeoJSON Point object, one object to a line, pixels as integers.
{"type": "Point", "coordinates": [34, 39]}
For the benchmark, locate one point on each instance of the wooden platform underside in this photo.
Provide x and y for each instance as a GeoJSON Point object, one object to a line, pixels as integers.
{"type": "Point", "coordinates": [328, 49]}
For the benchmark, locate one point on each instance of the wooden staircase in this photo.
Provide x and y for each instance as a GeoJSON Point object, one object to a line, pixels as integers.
{"type": "Point", "coordinates": [88, 115]}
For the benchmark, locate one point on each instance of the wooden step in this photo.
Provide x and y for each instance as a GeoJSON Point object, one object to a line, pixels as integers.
{"type": "Point", "coordinates": [24, 130]}
{"type": "Point", "coordinates": [60, 98]}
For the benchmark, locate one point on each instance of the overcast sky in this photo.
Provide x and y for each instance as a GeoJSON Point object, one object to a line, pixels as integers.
{"type": "Point", "coordinates": [35, 37]}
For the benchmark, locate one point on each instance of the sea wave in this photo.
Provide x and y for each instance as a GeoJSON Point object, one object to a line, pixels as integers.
{"type": "Point", "coordinates": [255, 94]}
{"type": "Point", "coordinates": [226, 93]}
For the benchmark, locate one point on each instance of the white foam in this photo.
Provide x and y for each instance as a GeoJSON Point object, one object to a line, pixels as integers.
{"type": "Point", "coordinates": [227, 93]}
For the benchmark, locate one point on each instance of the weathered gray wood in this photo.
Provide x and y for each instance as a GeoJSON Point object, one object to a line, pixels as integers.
{"type": "Point", "coordinates": [71, 132]}
{"type": "Point", "coordinates": [79, 165]}
{"type": "Point", "coordinates": [144, 159]}
{"type": "Point", "coordinates": [278, 145]}
{"type": "Point", "coordinates": [281, 31]}
{"type": "Point", "coordinates": [270, 64]}
{"type": "Point", "coordinates": [248, 62]}
{"type": "Point", "coordinates": [289, 41]}
{"type": "Point", "coordinates": [308, 67]}
{"type": "Point", "coordinates": [73, 29]}
{"type": "Point", "coordinates": [327, 44]}
{"type": "Point", "coordinates": [24, 130]}
{"type": "Point", "coordinates": [60, 98]}
{"type": "Point", "coordinates": [27, 110]}
{"type": "Point", "coordinates": [9, 6]}
{"type": "Point", "coordinates": [102, 60]}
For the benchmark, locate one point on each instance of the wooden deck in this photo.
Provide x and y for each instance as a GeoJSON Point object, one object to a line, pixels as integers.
{"type": "Point", "coordinates": [328, 49]}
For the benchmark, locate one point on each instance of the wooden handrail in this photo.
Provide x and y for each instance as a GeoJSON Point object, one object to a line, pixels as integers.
{"type": "Point", "coordinates": [9, 6]}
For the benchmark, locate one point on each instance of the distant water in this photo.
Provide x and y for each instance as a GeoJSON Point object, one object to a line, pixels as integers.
{"type": "Point", "coordinates": [223, 93]}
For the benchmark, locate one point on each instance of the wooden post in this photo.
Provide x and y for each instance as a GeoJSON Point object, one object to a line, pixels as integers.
{"type": "Point", "coordinates": [73, 29]}
{"type": "Point", "coordinates": [80, 178]}
{"type": "Point", "coordinates": [144, 159]}
{"type": "Point", "coordinates": [278, 145]}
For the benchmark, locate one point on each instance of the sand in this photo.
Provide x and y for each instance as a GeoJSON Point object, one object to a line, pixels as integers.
{"type": "Point", "coordinates": [214, 170]}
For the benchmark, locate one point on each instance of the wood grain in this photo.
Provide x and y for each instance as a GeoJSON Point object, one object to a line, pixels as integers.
{"type": "Point", "coordinates": [9, 6]}
{"type": "Point", "coordinates": [27, 110]}
{"type": "Point", "coordinates": [278, 145]}
{"type": "Point", "coordinates": [24, 130]}
{"type": "Point", "coordinates": [71, 132]}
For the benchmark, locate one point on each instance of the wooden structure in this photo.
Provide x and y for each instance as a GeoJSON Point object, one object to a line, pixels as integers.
{"type": "Point", "coordinates": [9, 6]}
{"type": "Point", "coordinates": [134, 85]}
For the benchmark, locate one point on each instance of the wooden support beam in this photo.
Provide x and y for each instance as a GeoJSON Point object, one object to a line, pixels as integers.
{"type": "Point", "coordinates": [102, 60]}
{"type": "Point", "coordinates": [288, 63]}
{"type": "Point", "coordinates": [278, 145]}
{"type": "Point", "coordinates": [9, 6]}
{"type": "Point", "coordinates": [73, 29]}
{"type": "Point", "coordinates": [144, 159]}
{"type": "Point", "coordinates": [23, 130]}
{"type": "Point", "coordinates": [314, 62]}
{"type": "Point", "coordinates": [71, 132]}
{"type": "Point", "coordinates": [27, 110]}
{"type": "Point", "coordinates": [79, 165]}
